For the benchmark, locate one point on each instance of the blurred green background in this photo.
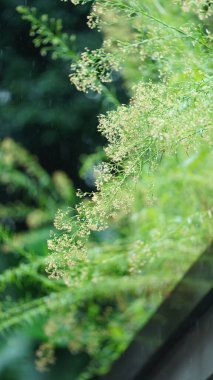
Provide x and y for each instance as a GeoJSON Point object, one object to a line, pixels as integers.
{"type": "Point", "coordinates": [53, 124]}
{"type": "Point", "coordinates": [39, 107]}
{"type": "Point", "coordinates": [47, 129]}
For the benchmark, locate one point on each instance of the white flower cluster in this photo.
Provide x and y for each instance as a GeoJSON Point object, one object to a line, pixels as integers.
{"type": "Point", "coordinates": [93, 69]}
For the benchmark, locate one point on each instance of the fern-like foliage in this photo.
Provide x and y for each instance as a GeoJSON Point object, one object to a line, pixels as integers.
{"type": "Point", "coordinates": [148, 121]}
{"type": "Point", "coordinates": [32, 198]}
{"type": "Point", "coordinates": [151, 213]}
{"type": "Point", "coordinates": [48, 35]}
{"type": "Point", "coordinates": [36, 196]}
{"type": "Point", "coordinates": [152, 40]}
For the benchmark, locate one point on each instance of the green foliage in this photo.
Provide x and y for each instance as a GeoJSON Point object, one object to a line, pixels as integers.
{"type": "Point", "coordinates": [36, 195]}
{"type": "Point", "coordinates": [124, 247]}
{"type": "Point", "coordinates": [47, 34]}
{"type": "Point", "coordinates": [38, 107]}
{"type": "Point", "coordinates": [127, 277]}
{"type": "Point", "coordinates": [152, 40]}
{"type": "Point", "coordinates": [97, 65]}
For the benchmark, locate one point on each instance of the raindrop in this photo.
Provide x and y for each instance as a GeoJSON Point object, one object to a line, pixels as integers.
{"type": "Point", "coordinates": [5, 96]}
